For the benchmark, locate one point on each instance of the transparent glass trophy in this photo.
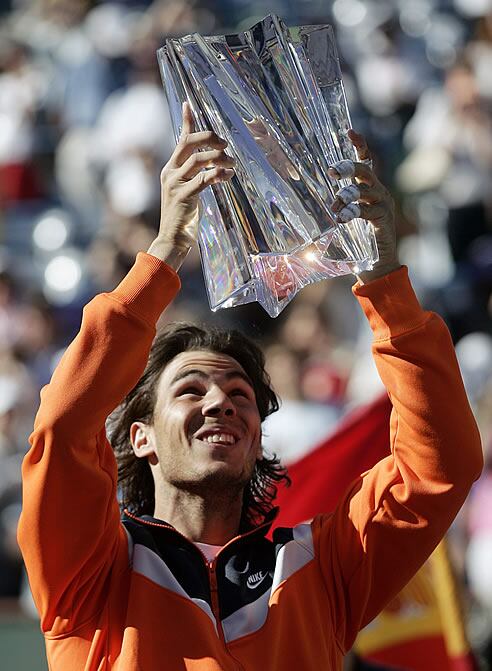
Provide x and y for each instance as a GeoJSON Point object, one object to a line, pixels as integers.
{"type": "Point", "coordinates": [276, 95]}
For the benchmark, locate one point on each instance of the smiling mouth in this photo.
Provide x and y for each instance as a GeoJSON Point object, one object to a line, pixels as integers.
{"type": "Point", "coordinates": [219, 439]}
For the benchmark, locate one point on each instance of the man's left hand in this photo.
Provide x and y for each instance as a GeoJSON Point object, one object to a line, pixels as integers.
{"type": "Point", "coordinates": [367, 198]}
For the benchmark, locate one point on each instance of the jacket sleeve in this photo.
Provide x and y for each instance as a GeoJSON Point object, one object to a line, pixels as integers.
{"type": "Point", "coordinates": [69, 531]}
{"type": "Point", "coordinates": [394, 515]}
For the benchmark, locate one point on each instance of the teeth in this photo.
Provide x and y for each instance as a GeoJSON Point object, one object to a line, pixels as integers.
{"type": "Point", "coordinates": [220, 438]}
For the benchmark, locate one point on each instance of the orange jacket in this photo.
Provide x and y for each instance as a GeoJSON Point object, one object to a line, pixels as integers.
{"type": "Point", "coordinates": [138, 596]}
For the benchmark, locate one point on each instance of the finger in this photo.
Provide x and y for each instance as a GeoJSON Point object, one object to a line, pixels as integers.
{"type": "Point", "coordinates": [188, 121]}
{"type": "Point", "coordinates": [204, 159]}
{"type": "Point", "coordinates": [359, 142]}
{"type": "Point", "coordinates": [342, 169]}
{"type": "Point", "coordinates": [357, 192]}
{"type": "Point", "coordinates": [347, 169]}
{"type": "Point", "coordinates": [206, 178]}
{"type": "Point", "coordinates": [191, 142]}
{"type": "Point", "coordinates": [349, 212]}
{"type": "Point", "coordinates": [348, 194]}
{"type": "Point", "coordinates": [375, 213]}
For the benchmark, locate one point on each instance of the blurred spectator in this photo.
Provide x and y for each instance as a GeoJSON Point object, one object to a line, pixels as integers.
{"type": "Point", "coordinates": [22, 83]}
{"type": "Point", "coordinates": [10, 314]}
{"type": "Point", "coordinates": [16, 401]}
{"type": "Point", "coordinates": [36, 344]}
{"type": "Point", "coordinates": [451, 161]}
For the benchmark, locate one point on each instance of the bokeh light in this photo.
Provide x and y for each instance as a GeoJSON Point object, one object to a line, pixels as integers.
{"type": "Point", "coordinates": [349, 13]}
{"type": "Point", "coordinates": [62, 277]}
{"type": "Point", "coordinates": [415, 18]}
{"type": "Point", "coordinates": [51, 231]}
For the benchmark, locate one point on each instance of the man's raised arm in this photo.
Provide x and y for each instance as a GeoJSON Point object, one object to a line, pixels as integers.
{"type": "Point", "coordinates": [70, 532]}
{"type": "Point", "coordinates": [394, 515]}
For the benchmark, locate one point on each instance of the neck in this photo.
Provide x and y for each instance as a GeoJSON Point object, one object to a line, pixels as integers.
{"type": "Point", "coordinates": [212, 518]}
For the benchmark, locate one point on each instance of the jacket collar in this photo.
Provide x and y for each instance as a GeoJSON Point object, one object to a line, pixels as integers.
{"type": "Point", "coordinates": [260, 530]}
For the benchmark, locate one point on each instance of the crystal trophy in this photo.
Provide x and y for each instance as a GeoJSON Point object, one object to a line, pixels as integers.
{"type": "Point", "coordinates": [276, 95]}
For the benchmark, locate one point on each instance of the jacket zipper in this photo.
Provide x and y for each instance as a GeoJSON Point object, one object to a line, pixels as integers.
{"type": "Point", "coordinates": [214, 597]}
{"type": "Point", "coordinates": [214, 594]}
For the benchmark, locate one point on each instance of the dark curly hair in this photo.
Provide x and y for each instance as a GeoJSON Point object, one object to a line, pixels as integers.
{"type": "Point", "coordinates": [136, 484]}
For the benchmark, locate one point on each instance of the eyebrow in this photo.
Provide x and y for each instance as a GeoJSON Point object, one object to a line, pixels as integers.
{"type": "Point", "coordinates": [230, 375]}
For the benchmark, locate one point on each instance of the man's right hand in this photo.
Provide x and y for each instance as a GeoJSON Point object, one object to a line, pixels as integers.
{"type": "Point", "coordinates": [183, 178]}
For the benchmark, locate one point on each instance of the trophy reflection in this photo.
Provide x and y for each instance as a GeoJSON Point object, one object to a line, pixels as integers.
{"type": "Point", "coordinates": [276, 95]}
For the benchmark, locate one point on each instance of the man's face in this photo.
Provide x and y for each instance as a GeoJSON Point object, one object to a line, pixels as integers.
{"type": "Point", "coordinates": [207, 428]}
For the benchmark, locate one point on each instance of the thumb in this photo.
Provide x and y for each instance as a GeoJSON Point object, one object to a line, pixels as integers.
{"type": "Point", "coordinates": [360, 143]}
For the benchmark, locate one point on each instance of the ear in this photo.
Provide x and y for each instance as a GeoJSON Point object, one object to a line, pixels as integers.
{"type": "Point", "coordinates": [143, 442]}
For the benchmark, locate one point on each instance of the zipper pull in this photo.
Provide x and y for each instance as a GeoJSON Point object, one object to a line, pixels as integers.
{"type": "Point", "coordinates": [211, 568]}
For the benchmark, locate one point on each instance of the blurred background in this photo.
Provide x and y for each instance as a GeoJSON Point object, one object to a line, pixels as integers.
{"type": "Point", "coordinates": [84, 132]}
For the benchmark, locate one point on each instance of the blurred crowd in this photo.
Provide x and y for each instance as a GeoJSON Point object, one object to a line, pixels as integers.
{"type": "Point", "coordinates": [84, 131]}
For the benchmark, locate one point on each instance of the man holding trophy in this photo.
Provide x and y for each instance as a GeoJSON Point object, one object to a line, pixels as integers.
{"type": "Point", "coordinates": [188, 578]}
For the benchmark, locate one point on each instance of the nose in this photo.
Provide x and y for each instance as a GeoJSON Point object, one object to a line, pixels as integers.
{"type": "Point", "coordinates": [218, 404]}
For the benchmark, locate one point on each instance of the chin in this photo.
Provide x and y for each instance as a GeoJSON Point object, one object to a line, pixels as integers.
{"type": "Point", "coordinates": [219, 474]}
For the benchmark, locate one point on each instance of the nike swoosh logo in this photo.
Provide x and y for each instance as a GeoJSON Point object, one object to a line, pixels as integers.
{"type": "Point", "coordinates": [256, 579]}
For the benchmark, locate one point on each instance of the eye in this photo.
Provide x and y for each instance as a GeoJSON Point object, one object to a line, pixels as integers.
{"type": "Point", "coordinates": [192, 390]}
{"type": "Point", "coordinates": [239, 392]}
